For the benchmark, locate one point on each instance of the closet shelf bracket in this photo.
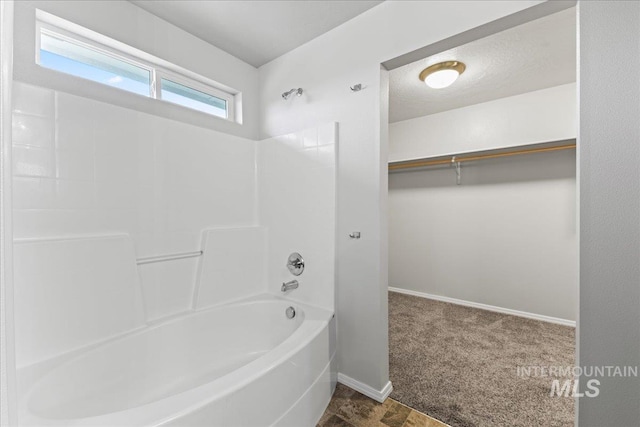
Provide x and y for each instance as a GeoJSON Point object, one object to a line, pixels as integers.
{"type": "Point", "coordinates": [456, 164]}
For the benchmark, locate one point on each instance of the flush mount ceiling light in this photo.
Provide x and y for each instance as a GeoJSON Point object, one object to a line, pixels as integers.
{"type": "Point", "coordinates": [442, 74]}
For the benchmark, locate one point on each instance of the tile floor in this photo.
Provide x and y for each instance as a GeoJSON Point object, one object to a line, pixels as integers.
{"type": "Point", "coordinates": [348, 408]}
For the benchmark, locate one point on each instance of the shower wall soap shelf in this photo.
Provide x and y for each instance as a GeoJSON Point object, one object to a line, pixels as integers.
{"type": "Point", "coordinates": [455, 161]}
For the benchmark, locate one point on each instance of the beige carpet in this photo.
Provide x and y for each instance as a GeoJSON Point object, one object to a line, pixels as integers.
{"type": "Point", "coordinates": [459, 364]}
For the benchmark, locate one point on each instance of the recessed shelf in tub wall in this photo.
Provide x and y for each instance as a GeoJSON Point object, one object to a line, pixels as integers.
{"type": "Point", "coordinates": [456, 159]}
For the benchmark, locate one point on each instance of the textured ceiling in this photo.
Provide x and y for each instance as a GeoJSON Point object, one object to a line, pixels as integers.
{"type": "Point", "coordinates": [532, 56]}
{"type": "Point", "coordinates": [256, 31]}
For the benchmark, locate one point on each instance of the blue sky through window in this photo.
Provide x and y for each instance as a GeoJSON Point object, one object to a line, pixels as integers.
{"type": "Point", "coordinates": [69, 66]}
{"type": "Point", "coordinates": [69, 58]}
{"type": "Point", "coordinates": [60, 54]}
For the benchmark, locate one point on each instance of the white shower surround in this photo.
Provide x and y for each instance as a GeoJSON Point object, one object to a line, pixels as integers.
{"type": "Point", "coordinates": [97, 186]}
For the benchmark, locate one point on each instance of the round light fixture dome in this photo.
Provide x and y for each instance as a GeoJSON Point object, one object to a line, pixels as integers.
{"type": "Point", "coordinates": [443, 74]}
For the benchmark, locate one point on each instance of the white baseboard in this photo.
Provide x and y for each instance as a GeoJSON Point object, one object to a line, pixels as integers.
{"type": "Point", "coordinates": [528, 315]}
{"type": "Point", "coordinates": [378, 395]}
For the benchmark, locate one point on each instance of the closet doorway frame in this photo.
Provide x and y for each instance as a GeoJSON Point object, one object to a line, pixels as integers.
{"type": "Point", "coordinates": [519, 18]}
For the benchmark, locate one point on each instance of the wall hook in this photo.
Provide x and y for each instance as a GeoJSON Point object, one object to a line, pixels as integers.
{"type": "Point", "coordinates": [456, 164]}
{"type": "Point", "coordinates": [356, 88]}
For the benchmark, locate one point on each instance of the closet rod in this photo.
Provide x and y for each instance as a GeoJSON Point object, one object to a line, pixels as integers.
{"type": "Point", "coordinates": [456, 159]}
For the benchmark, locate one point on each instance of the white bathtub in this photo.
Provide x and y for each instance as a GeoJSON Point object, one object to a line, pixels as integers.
{"type": "Point", "coordinates": [242, 364]}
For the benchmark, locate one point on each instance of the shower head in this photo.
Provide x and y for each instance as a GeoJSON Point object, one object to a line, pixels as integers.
{"type": "Point", "coordinates": [297, 91]}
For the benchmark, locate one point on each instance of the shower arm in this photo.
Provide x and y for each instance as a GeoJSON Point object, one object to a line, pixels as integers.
{"type": "Point", "coordinates": [298, 91]}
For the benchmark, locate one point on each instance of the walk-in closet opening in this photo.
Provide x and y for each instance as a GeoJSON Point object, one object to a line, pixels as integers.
{"type": "Point", "coordinates": [483, 248]}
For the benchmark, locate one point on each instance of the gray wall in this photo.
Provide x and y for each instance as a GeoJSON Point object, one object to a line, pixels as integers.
{"type": "Point", "coordinates": [506, 237]}
{"type": "Point", "coordinates": [609, 171]}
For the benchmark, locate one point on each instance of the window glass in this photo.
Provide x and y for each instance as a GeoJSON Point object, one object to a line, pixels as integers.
{"type": "Point", "coordinates": [192, 98]}
{"type": "Point", "coordinates": [75, 59]}
{"type": "Point", "coordinates": [81, 53]}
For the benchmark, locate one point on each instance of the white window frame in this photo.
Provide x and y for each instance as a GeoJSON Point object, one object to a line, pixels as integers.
{"type": "Point", "coordinates": [193, 84]}
{"type": "Point", "coordinates": [157, 67]}
{"type": "Point", "coordinates": [42, 27]}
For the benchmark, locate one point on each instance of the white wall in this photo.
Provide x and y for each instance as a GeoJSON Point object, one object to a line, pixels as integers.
{"type": "Point", "coordinates": [144, 31]}
{"type": "Point", "coordinates": [529, 118]}
{"type": "Point", "coordinates": [325, 68]}
{"type": "Point", "coordinates": [505, 237]}
{"type": "Point", "coordinates": [7, 359]}
{"type": "Point", "coordinates": [609, 170]}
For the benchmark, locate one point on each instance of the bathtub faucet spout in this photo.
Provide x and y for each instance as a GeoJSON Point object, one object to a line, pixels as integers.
{"type": "Point", "coordinates": [289, 285]}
